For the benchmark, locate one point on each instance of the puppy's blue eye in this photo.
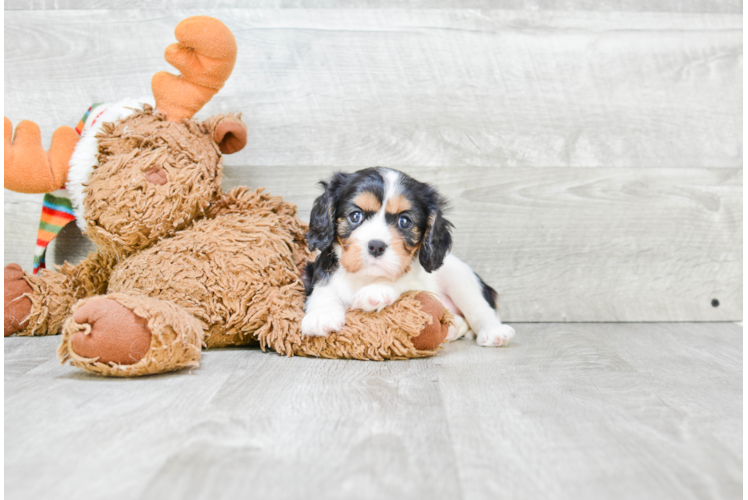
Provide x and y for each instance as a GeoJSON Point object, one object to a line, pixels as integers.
{"type": "Point", "coordinates": [404, 222]}
{"type": "Point", "coordinates": [355, 217]}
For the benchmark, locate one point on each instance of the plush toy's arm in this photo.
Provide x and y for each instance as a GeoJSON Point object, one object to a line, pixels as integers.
{"type": "Point", "coordinates": [413, 327]}
{"type": "Point", "coordinates": [38, 304]}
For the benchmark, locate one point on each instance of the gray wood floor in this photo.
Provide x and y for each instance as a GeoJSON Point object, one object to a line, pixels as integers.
{"type": "Point", "coordinates": [572, 411]}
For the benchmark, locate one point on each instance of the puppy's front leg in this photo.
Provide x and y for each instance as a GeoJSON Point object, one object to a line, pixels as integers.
{"type": "Point", "coordinates": [375, 297]}
{"type": "Point", "coordinates": [325, 312]}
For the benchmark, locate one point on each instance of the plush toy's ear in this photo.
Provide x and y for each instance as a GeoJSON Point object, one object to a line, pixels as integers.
{"type": "Point", "coordinates": [231, 134]}
{"type": "Point", "coordinates": [30, 169]}
{"type": "Point", "coordinates": [437, 239]}
{"type": "Point", "coordinates": [321, 232]}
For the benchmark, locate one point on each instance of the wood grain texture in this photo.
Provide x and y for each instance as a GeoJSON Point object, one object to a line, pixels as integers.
{"type": "Point", "coordinates": [651, 100]}
{"type": "Point", "coordinates": [695, 6]}
{"type": "Point", "coordinates": [21, 213]}
{"type": "Point", "coordinates": [425, 87]}
{"type": "Point", "coordinates": [743, 236]}
{"type": "Point", "coordinates": [567, 411]}
{"type": "Point", "coordinates": [566, 244]}
{"type": "Point", "coordinates": [599, 411]}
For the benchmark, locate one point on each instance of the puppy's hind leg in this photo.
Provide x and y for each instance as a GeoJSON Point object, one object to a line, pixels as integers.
{"type": "Point", "coordinates": [475, 300]}
{"type": "Point", "coordinates": [458, 329]}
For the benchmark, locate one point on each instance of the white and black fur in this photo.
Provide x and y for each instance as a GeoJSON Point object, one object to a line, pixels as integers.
{"type": "Point", "coordinates": [381, 233]}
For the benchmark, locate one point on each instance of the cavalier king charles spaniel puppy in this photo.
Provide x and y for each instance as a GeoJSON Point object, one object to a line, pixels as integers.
{"type": "Point", "coordinates": [381, 233]}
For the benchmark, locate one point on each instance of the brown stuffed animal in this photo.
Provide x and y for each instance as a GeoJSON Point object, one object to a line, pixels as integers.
{"type": "Point", "coordinates": [180, 264]}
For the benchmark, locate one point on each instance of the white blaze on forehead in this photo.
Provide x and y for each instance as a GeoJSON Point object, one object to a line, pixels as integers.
{"type": "Point", "coordinates": [392, 185]}
{"type": "Point", "coordinates": [376, 227]}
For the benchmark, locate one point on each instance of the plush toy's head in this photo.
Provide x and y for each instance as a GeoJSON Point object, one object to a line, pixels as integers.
{"type": "Point", "coordinates": [144, 169]}
{"type": "Point", "coordinates": [153, 177]}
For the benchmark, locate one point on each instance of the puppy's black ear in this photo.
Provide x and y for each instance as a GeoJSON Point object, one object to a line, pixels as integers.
{"type": "Point", "coordinates": [437, 239]}
{"type": "Point", "coordinates": [321, 232]}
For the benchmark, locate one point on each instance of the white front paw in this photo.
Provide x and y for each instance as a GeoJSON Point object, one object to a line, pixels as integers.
{"type": "Point", "coordinates": [320, 322]}
{"type": "Point", "coordinates": [374, 298]}
{"type": "Point", "coordinates": [495, 335]}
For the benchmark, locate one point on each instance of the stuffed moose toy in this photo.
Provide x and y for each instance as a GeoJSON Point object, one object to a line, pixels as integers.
{"type": "Point", "coordinates": [180, 265]}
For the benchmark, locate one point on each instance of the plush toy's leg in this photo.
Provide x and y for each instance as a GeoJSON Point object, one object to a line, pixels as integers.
{"type": "Point", "coordinates": [35, 305]}
{"type": "Point", "coordinates": [126, 335]}
{"type": "Point", "coordinates": [17, 304]}
{"type": "Point", "coordinates": [38, 304]}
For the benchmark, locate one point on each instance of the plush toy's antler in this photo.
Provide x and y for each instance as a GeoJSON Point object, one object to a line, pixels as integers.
{"type": "Point", "coordinates": [205, 55]}
{"type": "Point", "coordinates": [30, 169]}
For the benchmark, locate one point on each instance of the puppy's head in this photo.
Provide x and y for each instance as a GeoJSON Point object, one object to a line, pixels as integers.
{"type": "Point", "coordinates": [380, 219]}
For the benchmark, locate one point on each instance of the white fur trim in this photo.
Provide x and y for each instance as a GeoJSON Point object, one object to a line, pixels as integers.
{"type": "Point", "coordinates": [86, 154]}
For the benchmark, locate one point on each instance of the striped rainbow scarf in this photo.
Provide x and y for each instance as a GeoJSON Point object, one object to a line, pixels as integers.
{"type": "Point", "coordinates": [57, 212]}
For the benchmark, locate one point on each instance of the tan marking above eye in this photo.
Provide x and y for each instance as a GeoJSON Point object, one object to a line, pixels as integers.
{"type": "Point", "coordinates": [397, 204]}
{"type": "Point", "coordinates": [367, 201]}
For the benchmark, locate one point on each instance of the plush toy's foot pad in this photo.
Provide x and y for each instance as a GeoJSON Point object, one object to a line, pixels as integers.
{"type": "Point", "coordinates": [125, 335]}
{"type": "Point", "coordinates": [111, 332]}
{"type": "Point", "coordinates": [434, 333]}
{"type": "Point", "coordinates": [17, 307]}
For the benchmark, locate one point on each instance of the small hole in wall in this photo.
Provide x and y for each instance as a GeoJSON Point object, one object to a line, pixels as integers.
{"type": "Point", "coordinates": [715, 303]}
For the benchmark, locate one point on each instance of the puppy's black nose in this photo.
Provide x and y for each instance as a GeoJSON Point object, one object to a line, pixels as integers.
{"type": "Point", "coordinates": [377, 247]}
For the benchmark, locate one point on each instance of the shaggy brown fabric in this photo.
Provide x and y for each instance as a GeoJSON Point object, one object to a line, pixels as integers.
{"type": "Point", "coordinates": [226, 269]}
{"type": "Point", "coordinates": [176, 339]}
{"type": "Point", "coordinates": [112, 332]}
{"type": "Point", "coordinates": [367, 336]}
{"type": "Point", "coordinates": [54, 293]}
{"type": "Point", "coordinates": [126, 212]}
{"type": "Point", "coordinates": [17, 306]}
{"type": "Point", "coordinates": [243, 200]}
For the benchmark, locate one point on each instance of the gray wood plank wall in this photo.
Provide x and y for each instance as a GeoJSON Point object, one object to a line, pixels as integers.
{"type": "Point", "coordinates": [710, 6]}
{"type": "Point", "coordinates": [592, 150]}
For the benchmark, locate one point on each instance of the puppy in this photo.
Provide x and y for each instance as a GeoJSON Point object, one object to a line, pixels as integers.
{"type": "Point", "coordinates": [381, 233]}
